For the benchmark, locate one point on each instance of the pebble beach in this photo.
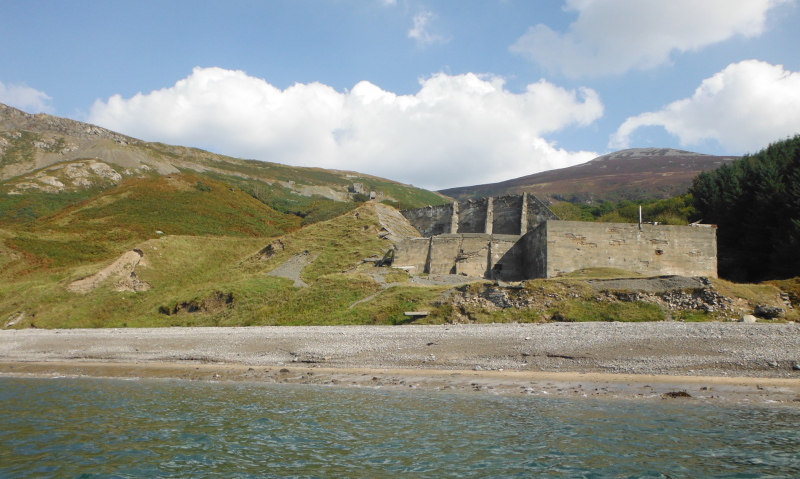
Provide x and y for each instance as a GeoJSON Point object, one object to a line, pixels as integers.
{"type": "Point", "coordinates": [711, 361]}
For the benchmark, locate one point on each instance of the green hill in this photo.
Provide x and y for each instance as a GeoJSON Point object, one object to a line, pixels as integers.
{"type": "Point", "coordinates": [220, 280]}
{"type": "Point", "coordinates": [104, 225]}
{"type": "Point", "coordinates": [47, 162]}
{"type": "Point", "coordinates": [102, 230]}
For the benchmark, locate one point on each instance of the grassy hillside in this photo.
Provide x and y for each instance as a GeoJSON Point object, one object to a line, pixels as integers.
{"type": "Point", "coordinates": [106, 224]}
{"type": "Point", "coordinates": [161, 235]}
{"type": "Point", "coordinates": [50, 165]}
{"type": "Point", "coordinates": [223, 281]}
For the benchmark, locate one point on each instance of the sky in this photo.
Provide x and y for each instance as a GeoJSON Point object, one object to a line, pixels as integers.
{"type": "Point", "coordinates": [435, 93]}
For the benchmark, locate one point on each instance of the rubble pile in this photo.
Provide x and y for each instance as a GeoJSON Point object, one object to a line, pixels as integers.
{"type": "Point", "coordinates": [701, 295]}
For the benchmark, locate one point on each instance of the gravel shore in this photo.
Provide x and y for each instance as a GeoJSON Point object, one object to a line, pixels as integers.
{"type": "Point", "coordinates": [672, 354]}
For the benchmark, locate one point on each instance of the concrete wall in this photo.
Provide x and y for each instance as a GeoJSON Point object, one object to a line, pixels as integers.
{"type": "Point", "coordinates": [558, 247]}
{"type": "Point", "coordinates": [510, 215]}
{"type": "Point", "coordinates": [535, 246]}
{"type": "Point", "coordinates": [506, 258]}
{"type": "Point", "coordinates": [472, 216]}
{"type": "Point", "coordinates": [653, 250]}
{"type": "Point", "coordinates": [431, 220]}
{"type": "Point", "coordinates": [507, 215]}
{"type": "Point", "coordinates": [443, 253]}
{"type": "Point", "coordinates": [472, 256]}
{"type": "Point", "coordinates": [412, 255]}
{"type": "Point", "coordinates": [537, 213]}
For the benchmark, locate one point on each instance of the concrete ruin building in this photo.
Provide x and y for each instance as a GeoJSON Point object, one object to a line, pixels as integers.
{"type": "Point", "coordinates": [513, 238]}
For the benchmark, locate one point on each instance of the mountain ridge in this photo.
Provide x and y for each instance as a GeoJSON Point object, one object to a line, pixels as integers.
{"type": "Point", "coordinates": [632, 174]}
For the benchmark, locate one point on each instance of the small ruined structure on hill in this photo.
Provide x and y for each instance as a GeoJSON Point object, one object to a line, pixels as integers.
{"type": "Point", "coordinates": [513, 238]}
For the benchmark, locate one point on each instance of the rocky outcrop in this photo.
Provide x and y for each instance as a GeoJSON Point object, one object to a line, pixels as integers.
{"type": "Point", "coordinates": [72, 176]}
{"type": "Point", "coordinates": [13, 119]}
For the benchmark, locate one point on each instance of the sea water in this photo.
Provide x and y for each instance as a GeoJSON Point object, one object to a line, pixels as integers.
{"type": "Point", "coordinates": [93, 428]}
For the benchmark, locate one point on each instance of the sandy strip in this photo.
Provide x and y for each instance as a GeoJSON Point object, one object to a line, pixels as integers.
{"type": "Point", "coordinates": [752, 363]}
{"type": "Point", "coordinates": [561, 384]}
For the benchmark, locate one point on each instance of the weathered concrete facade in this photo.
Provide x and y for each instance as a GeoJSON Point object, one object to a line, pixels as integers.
{"type": "Point", "coordinates": [471, 254]}
{"type": "Point", "coordinates": [559, 247]}
{"type": "Point", "coordinates": [513, 238]}
{"type": "Point", "coordinates": [507, 215]}
{"type": "Point", "coordinates": [431, 221]}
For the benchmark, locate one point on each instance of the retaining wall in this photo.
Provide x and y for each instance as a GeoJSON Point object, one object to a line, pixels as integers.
{"type": "Point", "coordinates": [509, 215]}
{"type": "Point", "coordinates": [431, 220]}
{"type": "Point", "coordinates": [651, 250]}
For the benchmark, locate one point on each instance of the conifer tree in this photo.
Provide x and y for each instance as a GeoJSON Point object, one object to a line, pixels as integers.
{"type": "Point", "coordinates": [755, 202]}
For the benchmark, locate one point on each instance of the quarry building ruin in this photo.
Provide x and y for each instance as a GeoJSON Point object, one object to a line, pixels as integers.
{"type": "Point", "coordinates": [517, 237]}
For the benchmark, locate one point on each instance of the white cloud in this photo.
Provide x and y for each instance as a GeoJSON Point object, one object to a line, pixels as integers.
{"type": "Point", "coordinates": [421, 30]}
{"type": "Point", "coordinates": [614, 36]}
{"type": "Point", "coordinates": [456, 130]}
{"type": "Point", "coordinates": [25, 98]}
{"type": "Point", "coordinates": [744, 107]}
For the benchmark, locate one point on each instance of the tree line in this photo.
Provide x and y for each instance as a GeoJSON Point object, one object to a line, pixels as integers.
{"type": "Point", "coordinates": [755, 201]}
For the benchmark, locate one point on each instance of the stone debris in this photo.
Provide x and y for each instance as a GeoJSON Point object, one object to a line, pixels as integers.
{"type": "Point", "coordinates": [132, 283]}
{"type": "Point", "coordinates": [293, 267]}
{"type": "Point", "coordinates": [691, 294]}
{"type": "Point", "coordinates": [768, 312]}
{"type": "Point", "coordinates": [677, 394]}
{"type": "Point", "coordinates": [14, 319]}
{"type": "Point", "coordinates": [123, 269]}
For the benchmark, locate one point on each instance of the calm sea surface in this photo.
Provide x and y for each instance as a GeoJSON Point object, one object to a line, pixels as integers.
{"type": "Point", "coordinates": [91, 428]}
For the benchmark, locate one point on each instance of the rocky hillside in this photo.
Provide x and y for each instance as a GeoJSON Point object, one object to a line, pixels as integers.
{"type": "Point", "coordinates": [638, 173]}
{"type": "Point", "coordinates": [73, 194]}
{"type": "Point", "coordinates": [31, 145]}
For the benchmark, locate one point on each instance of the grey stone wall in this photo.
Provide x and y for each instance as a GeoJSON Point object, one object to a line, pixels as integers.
{"type": "Point", "coordinates": [651, 250]}
{"type": "Point", "coordinates": [472, 254]}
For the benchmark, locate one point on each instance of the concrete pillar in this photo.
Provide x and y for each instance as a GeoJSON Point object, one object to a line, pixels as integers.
{"type": "Point", "coordinates": [427, 268]}
{"type": "Point", "coordinates": [489, 215]}
{"type": "Point", "coordinates": [454, 219]}
{"type": "Point", "coordinates": [523, 217]}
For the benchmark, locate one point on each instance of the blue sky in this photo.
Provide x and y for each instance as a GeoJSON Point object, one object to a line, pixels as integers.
{"type": "Point", "coordinates": [434, 93]}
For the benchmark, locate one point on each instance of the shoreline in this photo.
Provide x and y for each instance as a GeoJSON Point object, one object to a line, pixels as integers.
{"type": "Point", "coordinates": [741, 390]}
{"type": "Point", "coordinates": [725, 362]}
